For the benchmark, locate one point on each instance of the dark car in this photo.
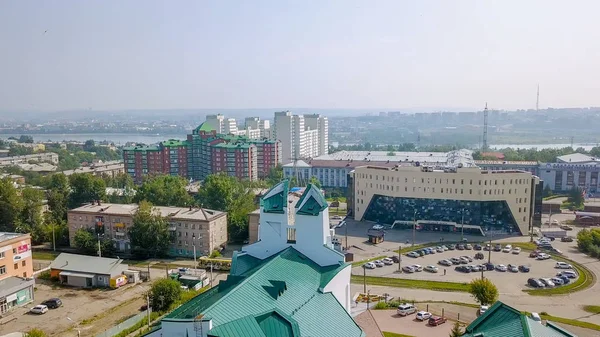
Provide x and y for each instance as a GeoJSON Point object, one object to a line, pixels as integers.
{"type": "Point", "coordinates": [498, 247]}
{"type": "Point", "coordinates": [455, 260]}
{"type": "Point", "coordinates": [535, 253]}
{"type": "Point", "coordinates": [477, 247]}
{"type": "Point", "coordinates": [524, 269]}
{"type": "Point", "coordinates": [395, 259]}
{"type": "Point", "coordinates": [489, 266]}
{"type": "Point", "coordinates": [436, 320]}
{"type": "Point", "coordinates": [566, 239]}
{"type": "Point", "coordinates": [52, 303]}
{"type": "Point", "coordinates": [565, 279]}
{"type": "Point", "coordinates": [479, 256]}
{"type": "Point", "coordinates": [463, 269]}
{"type": "Point", "coordinates": [460, 247]}
{"type": "Point", "coordinates": [144, 307]}
{"type": "Point", "coordinates": [535, 283]}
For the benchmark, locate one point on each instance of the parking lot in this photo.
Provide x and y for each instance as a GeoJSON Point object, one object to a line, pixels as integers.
{"type": "Point", "coordinates": [506, 281]}
{"type": "Point", "coordinates": [389, 320]}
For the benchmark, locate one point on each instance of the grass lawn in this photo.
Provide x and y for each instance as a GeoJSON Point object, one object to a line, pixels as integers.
{"type": "Point", "coordinates": [585, 280]}
{"type": "Point", "coordinates": [572, 322]}
{"type": "Point", "coordinates": [393, 334]}
{"type": "Point", "coordinates": [593, 309]}
{"type": "Point", "coordinates": [44, 255]}
{"type": "Point", "coordinates": [415, 284]}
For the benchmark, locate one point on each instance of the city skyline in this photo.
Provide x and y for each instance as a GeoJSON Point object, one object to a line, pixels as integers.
{"type": "Point", "coordinates": [334, 55]}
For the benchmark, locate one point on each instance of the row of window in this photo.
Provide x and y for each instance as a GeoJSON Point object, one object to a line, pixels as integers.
{"type": "Point", "coordinates": [496, 191]}
{"type": "Point", "coordinates": [447, 181]}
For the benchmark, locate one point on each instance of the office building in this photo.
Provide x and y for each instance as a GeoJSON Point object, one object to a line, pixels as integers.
{"type": "Point", "coordinates": [332, 169]}
{"type": "Point", "coordinates": [496, 165]}
{"type": "Point", "coordinates": [168, 157]}
{"type": "Point", "coordinates": [446, 199]}
{"type": "Point", "coordinates": [216, 122]}
{"type": "Point", "coordinates": [573, 170]}
{"type": "Point", "coordinates": [290, 283]}
{"type": "Point", "coordinates": [204, 228]}
{"type": "Point", "coordinates": [16, 271]}
{"type": "Point", "coordinates": [301, 136]}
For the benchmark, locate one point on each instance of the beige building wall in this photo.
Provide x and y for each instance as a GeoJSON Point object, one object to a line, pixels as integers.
{"type": "Point", "coordinates": [468, 184]}
{"type": "Point", "coordinates": [253, 224]}
{"type": "Point", "coordinates": [15, 257]}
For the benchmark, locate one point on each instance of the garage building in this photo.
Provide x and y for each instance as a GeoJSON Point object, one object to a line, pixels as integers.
{"type": "Point", "coordinates": [86, 271]}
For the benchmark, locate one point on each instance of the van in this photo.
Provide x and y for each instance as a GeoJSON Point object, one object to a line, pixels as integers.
{"type": "Point", "coordinates": [406, 309]}
{"type": "Point", "coordinates": [536, 317]}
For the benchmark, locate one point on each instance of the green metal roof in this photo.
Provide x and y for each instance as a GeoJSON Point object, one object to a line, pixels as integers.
{"type": "Point", "coordinates": [233, 145]}
{"type": "Point", "coordinates": [203, 127]}
{"type": "Point", "coordinates": [502, 320]}
{"type": "Point", "coordinates": [275, 200]}
{"type": "Point", "coordinates": [174, 143]}
{"type": "Point", "coordinates": [312, 201]}
{"type": "Point", "coordinates": [141, 148]}
{"type": "Point", "coordinates": [282, 297]}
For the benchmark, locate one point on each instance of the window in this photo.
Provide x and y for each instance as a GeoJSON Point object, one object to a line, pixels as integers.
{"type": "Point", "coordinates": [1, 255]}
{"type": "Point", "coordinates": [519, 209]}
{"type": "Point", "coordinates": [15, 251]}
{"type": "Point", "coordinates": [291, 235]}
{"type": "Point", "coordinates": [462, 181]}
{"type": "Point", "coordinates": [16, 266]}
{"type": "Point", "coordinates": [524, 209]}
{"type": "Point", "coordinates": [470, 191]}
{"type": "Point", "coordinates": [471, 182]}
{"type": "Point", "coordinates": [2, 270]}
{"type": "Point", "coordinates": [23, 263]}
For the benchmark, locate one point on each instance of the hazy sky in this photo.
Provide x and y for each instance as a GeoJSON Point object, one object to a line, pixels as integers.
{"type": "Point", "coordinates": [313, 53]}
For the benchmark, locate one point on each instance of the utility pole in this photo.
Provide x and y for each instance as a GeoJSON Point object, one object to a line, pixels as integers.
{"type": "Point", "coordinates": [490, 251]}
{"type": "Point", "coordinates": [399, 259]}
{"type": "Point", "coordinates": [194, 244]}
{"type": "Point", "coordinates": [537, 101]}
{"type": "Point", "coordinates": [99, 247]}
{"type": "Point", "coordinates": [414, 227]}
{"type": "Point", "coordinates": [462, 225]}
{"type": "Point", "coordinates": [53, 238]}
{"type": "Point", "coordinates": [346, 229]}
{"type": "Point", "coordinates": [148, 306]}
{"type": "Point", "coordinates": [364, 280]}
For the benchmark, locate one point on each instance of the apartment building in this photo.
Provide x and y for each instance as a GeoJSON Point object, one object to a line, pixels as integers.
{"type": "Point", "coordinates": [168, 157]}
{"type": "Point", "coordinates": [301, 136]}
{"type": "Point", "coordinates": [446, 199]}
{"type": "Point", "coordinates": [46, 157]}
{"type": "Point", "coordinates": [235, 159]}
{"type": "Point", "coordinates": [204, 228]}
{"type": "Point", "coordinates": [110, 169]}
{"type": "Point", "coordinates": [216, 122]}
{"type": "Point", "coordinates": [16, 271]}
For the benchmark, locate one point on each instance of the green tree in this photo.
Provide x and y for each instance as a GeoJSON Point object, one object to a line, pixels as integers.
{"type": "Point", "coordinates": [164, 190]}
{"type": "Point", "coordinates": [224, 193]}
{"type": "Point", "coordinates": [575, 196]}
{"type": "Point", "coordinates": [315, 181]}
{"type": "Point", "coordinates": [547, 192]}
{"type": "Point", "coordinates": [26, 139]}
{"type": "Point", "coordinates": [85, 188]}
{"type": "Point", "coordinates": [149, 233]}
{"type": "Point", "coordinates": [275, 175]}
{"type": "Point", "coordinates": [484, 291]}
{"type": "Point", "coordinates": [58, 197]}
{"type": "Point", "coordinates": [35, 333]}
{"type": "Point", "coordinates": [85, 241]}
{"type": "Point", "coordinates": [11, 205]}
{"type": "Point", "coordinates": [214, 254]}
{"type": "Point", "coordinates": [164, 293]}
{"type": "Point", "coordinates": [18, 150]}
{"type": "Point", "coordinates": [89, 144]}
{"type": "Point", "coordinates": [32, 219]}
{"type": "Point", "coordinates": [456, 330]}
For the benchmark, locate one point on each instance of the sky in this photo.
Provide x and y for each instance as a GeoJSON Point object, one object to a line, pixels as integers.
{"type": "Point", "coordinates": [111, 55]}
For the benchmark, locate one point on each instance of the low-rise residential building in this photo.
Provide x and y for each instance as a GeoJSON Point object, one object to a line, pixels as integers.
{"type": "Point", "coordinates": [87, 271]}
{"type": "Point", "coordinates": [46, 157]}
{"type": "Point", "coordinates": [16, 271]}
{"type": "Point", "coordinates": [203, 228]}
{"type": "Point", "coordinates": [447, 199]}
{"type": "Point", "coordinates": [110, 169]}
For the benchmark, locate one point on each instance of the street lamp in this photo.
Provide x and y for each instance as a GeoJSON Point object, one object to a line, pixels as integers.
{"type": "Point", "coordinates": [194, 245]}
{"type": "Point", "coordinates": [77, 326]}
{"type": "Point", "coordinates": [99, 247]}
{"type": "Point", "coordinates": [462, 225]}
{"type": "Point", "coordinates": [414, 227]}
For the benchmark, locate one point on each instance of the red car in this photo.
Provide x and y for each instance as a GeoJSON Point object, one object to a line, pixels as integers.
{"type": "Point", "coordinates": [535, 253]}
{"type": "Point", "coordinates": [436, 320]}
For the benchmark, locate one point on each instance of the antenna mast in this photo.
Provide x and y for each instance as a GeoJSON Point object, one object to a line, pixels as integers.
{"type": "Point", "coordinates": [537, 101]}
{"type": "Point", "coordinates": [485, 128]}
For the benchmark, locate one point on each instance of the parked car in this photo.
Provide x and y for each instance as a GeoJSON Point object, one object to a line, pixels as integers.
{"type": "Point", "coordinates": [498, 247]}
{"type": "Point", "coordinates": [52, 303]}
{"type": "Point", "coordinates": [468, 258]}
{"type": "Point", "coordinates": [513, 268]}
{"type": "Point", "coordinates": [445, 262]}
{"type": "Point", "coordinates": [369, 265]}
{"type": "Point", "coordinates": [516, 250]}
{"type": "Point", "coordinates": [477, 247]}
{"type": "Point", "coordinates": [463, 269]}
{"type": "Point", "coordinates": [547, 282]}
{"type": "Point", "coordinates": [439, 249]}
{"type": "Point", "coordinates": [563, 265]}
{"type": "Point", "coordinates": [535, 253]}
{"type": "Point", "coordinates": [423, 315]}
{"type": "Point", "coordinates": [535, 283]}
{"type": "Point", "coordinates": [468, 246]}
{"type": "Point", "coordinates": [558, 281]}
{"type": "Point", "coordinates": [566, 239]}
{"type": "Point", "coordinates": [436, 320]}
{"type": "Point", "coordinates": [444, 247]}
{"type": "Point", "coordinates": [463, 260]}
{"type": "Point", "coordinates": [413, 254]}
{"type": "Point", "coordinates": [490, 266]}
{"type": "Point", "coordinates": [524, 269]}
{"type": "Point", "coordinates": [566, 227]}
{"type": "Point", "coordinates": [39, 309]}
{"type": "Point", "coordinates": [536, 317]}
{"type": "Point", "coordinates": [455, 260]}
{"type": "Point", "coordinates": [406, 309]}
{"type": "Point", "coordinates": [566, 279]}
{"type": "Point", "coordinates": [378, 263]}
{"type": "Point", "coordinates": [475, 268]}
{"type": "Point", "coordinates": [507, 249]}
{"type": "Point", "coordinates": [394, 258]}
{"type": "Point", "coordinates": [479, 256]}
{"type": "Point", "coordinates": [568, 273]}
{"type": "Point", "coordinates": [431, 269]}
{"type": "Point", "coordinates": [482, 310]}
{"type": "Point", "coordinates": [501, 267]}
{"type": "Point", "coordinates": [451, 247]}
{"type": "Point", "coordinates": [408, 269]}
{"type": "Point", "coordinates": [417, 267]}
{"type": "Point", "coordinates": [460, 246]}
{"type": "Point", "coordinates": [543, 256]}
{"type": "Point", "coordinates": [487, 247]}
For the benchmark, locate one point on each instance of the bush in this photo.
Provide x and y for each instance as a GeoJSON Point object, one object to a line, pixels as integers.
{"type": "Point", "coordinates": [164, 292]}
{"type": "Point", "coordinates": [588, 241]}
{"type": "Point", "coordinates": [45, 275]}
{"type": "Point", "coordinates": [381, 305]}
{"type": "Point", "coordinates": [35, 333]}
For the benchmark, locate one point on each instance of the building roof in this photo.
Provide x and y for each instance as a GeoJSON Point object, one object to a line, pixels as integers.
{"type": "Point", "coordinates": [93, 169]}
{"type": "Point", "coordinates": [279, 296]}
{"type": "Point", "coordinates": [175, 213]}
{"type": "Point", "coordinates": [11, 282]}
{"type": "Point", "coordinates": [6, 236]}
{"type": "Point", "coordinates": [275, 200]}
{"type": "Point", "coordinates": [312, 201]}
{"type": "Point", "coordinates": [86, 264]}
{"type": "Point", "coordinates": [451, 158]}
{"type": "Point", "coordinates": [234, 145]}
{"type": "Point", "coordinates": [576, 158]}
{"type": "Point", "coordinates": [502, 162]}
{"type": "Point", "coordinates": [142, 148]}
{"type": "Point", "coordinates": [206, 127]}
{"type": "Point", "coordinates": [174, 143]}
{"type": "Point", "coordinates": [502, 320]}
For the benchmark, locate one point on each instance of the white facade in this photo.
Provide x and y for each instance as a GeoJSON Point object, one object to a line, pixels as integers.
{"type": "Point", "coordinates": [230, 126]}
{"type": "Point", "coordinates": [217, 122]}
{"type": "Point", "coordinates": [301, 136]}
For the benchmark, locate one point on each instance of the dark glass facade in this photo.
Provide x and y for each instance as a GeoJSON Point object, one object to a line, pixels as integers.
{"type": "Point", "coordinates": [489, 215]}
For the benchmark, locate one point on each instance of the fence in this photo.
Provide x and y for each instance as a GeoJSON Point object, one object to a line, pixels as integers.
{"type": "Point", "coordinates": [123, 325]}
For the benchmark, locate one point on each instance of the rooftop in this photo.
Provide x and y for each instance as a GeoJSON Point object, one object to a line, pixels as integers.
{"type": "Point", "coordinates": [174, 143]}
{"type": "Point", "coordinates": [6, 236]}
{"type": "Point", "coordinates": [234, 145]}
{"type": "Point", "coordinates": [576, 158]}
{"type": "Point", "coordinates": [503, 162]}
{"type": "Point", "coordinates": [451, 158]}
{"type": "Point", "coordinates": [281, 296]}
{"type": "Point", "coordinates": [91, 169]}
{"type": "Point", "coordinates": [85, 263]}
{"type": "Point", "coordinates": [142, 148]}
{"type": "Point", "coordinates": [181, 213]}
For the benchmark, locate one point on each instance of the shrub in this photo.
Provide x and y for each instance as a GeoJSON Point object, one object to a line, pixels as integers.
{"type": "Point", "coordinates": [381, 305]}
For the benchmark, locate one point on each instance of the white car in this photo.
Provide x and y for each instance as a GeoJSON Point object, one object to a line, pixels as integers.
{"type": "Point", "coordinates": [543, 256]}
{"type": "Point", "coordinates": [423, 315]}
{"type": "Point", "coordinates": [439, 249]}
{"type": "Point", "coordinates": [568, 273]}
{"type": "Point", "coordinates": [369, 265]}
{"type": "Point", "coordinates": [337, 217]}
{"type": "Point", "coordinates": [417, 267]}
{"type": "Point", "coordinates": [408, 269]}
{"type": "Point", "coordinates": [507, 248]}
{"type": "Point", "coordinates": [563, 265]}
{"type": "Point", "coordinates": [501, 267]}
{"type": "Point", "coordinates": [483, 309]}
{"type": "Point", "coordinates": [378, 263]}
{"type": "Point", "coordinates": [558, 281]}
{"type": "Point", "coordinates": [378, 227]}
{"type": "Point", "coordinates": [513, 268]}
{"type": "Point", "coordinates": [547, 281]}
{"type": "Point", "coordinates": [39, 309]}
{"type": "Point", "coordinates": [388, 261]}
{"type": "Point", "coordinates": [516, 250]}
{"type": "Point", "coordinates": [413, 254]}
{"type": "Point", "coordinates": [431, 269]}
{"type": "Point", "coordinates": [406, 309]}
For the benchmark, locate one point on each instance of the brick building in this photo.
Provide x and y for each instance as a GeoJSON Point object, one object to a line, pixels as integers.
{"type": "Point", "coordinates": [168, 157]}
{"type": "Point", "coordinates": [16, 271]}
